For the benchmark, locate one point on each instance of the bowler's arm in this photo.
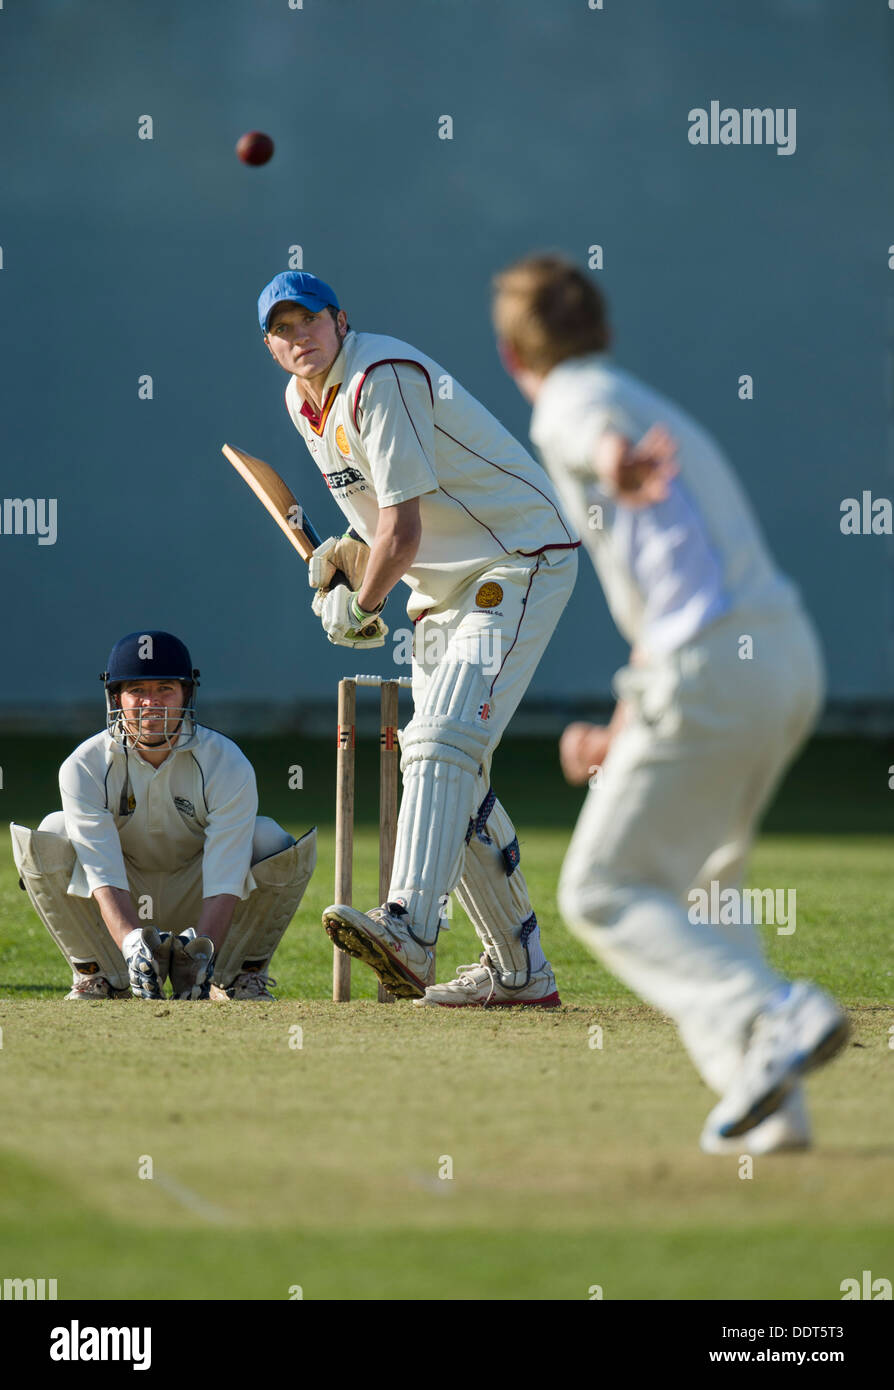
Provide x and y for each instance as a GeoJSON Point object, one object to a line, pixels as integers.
{"type": "Point", "coordinates": [636, 475]}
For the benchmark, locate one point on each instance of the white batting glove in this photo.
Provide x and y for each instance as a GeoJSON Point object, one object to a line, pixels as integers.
{"type": "Point", "coordinates": [345, 623]}
{"type": "Point", "coordinates": [320, 569]}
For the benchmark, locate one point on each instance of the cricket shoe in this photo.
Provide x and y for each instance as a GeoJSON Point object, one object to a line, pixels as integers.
{"type": "Point", "coordinates": [381, 939]}
{"type": "Point", "coordinates": [803, 1029]}
{"type": "Point", "coordinates": [89, 984]}
{"type": "Point", "coordinates": [191, 965]}
{"type": "Point", "coordinates": [481, 986]}
{"type": "Point", "coordinates": [147, 952]}
{"type": "Point", "coordinates": [251, 982]}
{"type": "Point", "coordinates": [787, 1130]}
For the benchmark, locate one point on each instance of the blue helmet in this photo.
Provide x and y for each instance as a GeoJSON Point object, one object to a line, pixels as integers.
{"type": "Point", "coordinates": [151, 656]}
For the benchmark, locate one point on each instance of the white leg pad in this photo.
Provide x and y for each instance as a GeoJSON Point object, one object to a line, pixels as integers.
{"type": "Point", "coordinates": [444, 747]}
{"type": "Point", "coordinates": [494, 895]}
{"type": "Point", "coordinates": [269, 839]}
{"type": "Point", "coordinates": [260, 920]}
{"type": "Point", "coordinates": [45, 861]}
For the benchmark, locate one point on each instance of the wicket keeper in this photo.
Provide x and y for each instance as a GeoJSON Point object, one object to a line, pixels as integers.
{"type": "Point", "coordinates": [158, 864]}
{"type": "Point", "coordinates": [448, 502]}
{"type": "Point", "coordinates": [723, 685]}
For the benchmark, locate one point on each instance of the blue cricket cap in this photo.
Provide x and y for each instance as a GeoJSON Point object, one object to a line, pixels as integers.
{"type": "Point", "coordinates": [298, 287]}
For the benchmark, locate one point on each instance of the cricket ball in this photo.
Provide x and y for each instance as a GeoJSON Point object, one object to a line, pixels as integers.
{"type": "Point", "coordinates": [254, 147]}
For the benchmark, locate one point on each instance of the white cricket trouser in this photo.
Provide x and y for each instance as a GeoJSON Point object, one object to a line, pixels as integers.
{"type": "Point", "coordinates": [175, 897]}
{"type": "Point", "coordinates": [507, 640]}
{"type": "Point", "coordinates": [675, 806]}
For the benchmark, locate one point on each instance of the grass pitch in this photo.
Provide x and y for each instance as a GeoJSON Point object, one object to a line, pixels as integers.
{"type": "Point", "coordinates": [367, 1151]}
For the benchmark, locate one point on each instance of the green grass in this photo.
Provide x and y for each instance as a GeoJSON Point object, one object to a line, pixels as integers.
{"type": "Point", "coordinates": [318, 1166]}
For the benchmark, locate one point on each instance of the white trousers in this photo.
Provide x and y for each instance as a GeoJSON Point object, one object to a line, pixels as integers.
{"type": "Point", "coordinates": [507, 639]}
{"type": "Point", "coordinates": [176, 896]}
{"type": "Point", "coordinates": [676, 806]}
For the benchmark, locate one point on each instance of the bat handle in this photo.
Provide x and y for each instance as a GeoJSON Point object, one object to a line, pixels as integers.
{"type": "Point", "coordinates": [340, 577]}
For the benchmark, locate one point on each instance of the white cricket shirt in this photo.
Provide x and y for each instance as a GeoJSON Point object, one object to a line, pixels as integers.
{"type": "Point", "coordinates": [670, 569]}
{"type": "Point", "coordinates": [394, 425]}
{"type": "Point", "coordinates": [202, 800]}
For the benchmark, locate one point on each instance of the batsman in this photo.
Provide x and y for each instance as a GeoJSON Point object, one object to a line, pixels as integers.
{"type": "Point", "coordinates": [447, 501]}
{"type": "Point", "coordinates": [158, 866]}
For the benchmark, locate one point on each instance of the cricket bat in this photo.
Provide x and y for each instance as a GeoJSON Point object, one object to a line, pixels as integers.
{"type": "Point", "coordinates": [280, 501]}
{"type": "Point", "coordinates": [276, 495]}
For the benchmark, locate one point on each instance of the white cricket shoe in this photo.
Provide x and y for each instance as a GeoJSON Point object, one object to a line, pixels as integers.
{"type": "Point", "coordinates": [801, 1031]}
{"type": "Point", "coordinates": [787, 1130]}
{"type": "Point", "coordinates": [251, 983]}
{"type": "Point", "coordinates": [481, 986]}
{"type": "Point", "coordinates": [381, 939]}
{"type": "Point", "coordinates": [91, 985]}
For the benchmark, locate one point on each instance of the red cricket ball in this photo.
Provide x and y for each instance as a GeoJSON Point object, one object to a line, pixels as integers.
{"type": "Point", "coordinates": [254, 147]}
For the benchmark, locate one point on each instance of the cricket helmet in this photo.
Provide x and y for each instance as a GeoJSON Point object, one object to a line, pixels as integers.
{"type": "Point", "coordinates": [150, 656]}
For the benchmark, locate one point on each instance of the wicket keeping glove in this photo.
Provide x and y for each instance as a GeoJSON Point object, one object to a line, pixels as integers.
{"type": "Point", "coordinates": [147, 952]}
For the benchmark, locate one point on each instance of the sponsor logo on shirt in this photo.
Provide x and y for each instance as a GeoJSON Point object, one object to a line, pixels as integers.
{"type": "Point", "coordinates": [185, 807]}
{"type": "Point", "coordinates": [343, 479]}
{"type": "Point", "coordinates": [341, 440]}
{"type": "Point", "coordinates": [489, 595]}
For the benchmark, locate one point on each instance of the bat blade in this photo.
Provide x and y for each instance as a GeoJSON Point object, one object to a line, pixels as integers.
{"type": "Point", "coordinates": [277, 497]}
{"type": "Point", "coordinates": [283, 506]}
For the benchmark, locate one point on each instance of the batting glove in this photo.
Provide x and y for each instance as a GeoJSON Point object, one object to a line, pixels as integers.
{"type": "Point", "coordinates": [348, 625]}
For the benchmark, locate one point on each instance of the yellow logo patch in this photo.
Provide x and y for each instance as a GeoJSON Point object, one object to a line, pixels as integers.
{"type": "Point", "coordinates": [489, 595]}
{"type": "Point", "coordinates": [341, 440]}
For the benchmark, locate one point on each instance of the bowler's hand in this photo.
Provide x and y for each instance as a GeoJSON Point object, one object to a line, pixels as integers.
{"type": "Point", "coordinates": [637, 475]}
{"type": "Point", "coordinates": [582, 748]}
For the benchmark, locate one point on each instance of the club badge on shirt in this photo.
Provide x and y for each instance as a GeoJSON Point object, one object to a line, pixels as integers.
{"type": "Point", "coordinates": [489, 595]}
